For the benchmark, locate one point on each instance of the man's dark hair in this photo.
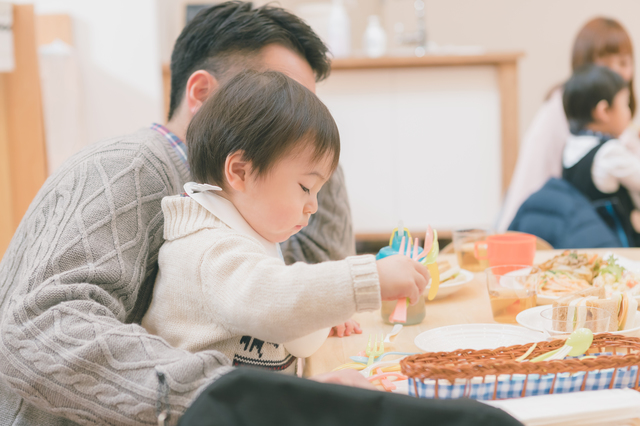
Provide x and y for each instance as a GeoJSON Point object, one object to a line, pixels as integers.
{"type": "Point", "coordinates": [587, 86]}
{"type": "Point", "coordinates": [218, 36]}
{"type": "Point", "coordinates": [267, 115]}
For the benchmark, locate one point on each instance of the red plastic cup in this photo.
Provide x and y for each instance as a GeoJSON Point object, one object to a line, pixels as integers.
{"type": "Point", "coordinates": [508, 249]}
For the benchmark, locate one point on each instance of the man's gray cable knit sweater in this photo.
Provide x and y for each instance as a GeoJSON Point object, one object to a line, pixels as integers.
{"type": "Point", "coordinates": [78, 277]}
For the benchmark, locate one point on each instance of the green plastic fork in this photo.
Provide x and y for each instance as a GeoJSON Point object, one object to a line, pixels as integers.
{"type": "Point", "coordinates": [376, 350]}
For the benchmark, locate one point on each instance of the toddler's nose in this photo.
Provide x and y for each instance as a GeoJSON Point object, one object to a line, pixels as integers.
{"type": "Point", "coordinates": [311, 207]}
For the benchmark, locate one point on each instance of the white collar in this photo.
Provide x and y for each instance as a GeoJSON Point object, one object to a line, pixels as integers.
{"type": "Point", "coordinates": [224, 210]}
{"type": "Point", "coordinates": [577, 147]}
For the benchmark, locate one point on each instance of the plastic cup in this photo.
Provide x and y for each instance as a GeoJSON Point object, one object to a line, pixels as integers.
{"type": "Point", "coordinates": [507, 249]}
{"type": "Point", "coordinates": [415, 313]}
{"type": "Point", "coordinates": [464, 245]}
{"type": "Point", "coordinates": [556, 323]}
{"type": "Point", "coordinates": [511, 291]}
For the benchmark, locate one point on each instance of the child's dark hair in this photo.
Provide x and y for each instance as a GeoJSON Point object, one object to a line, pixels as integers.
{"type": "Point", "coordinates": [264, 114]}
{"type": "Point", "coordinates": [225, 34]}
{"type": "Point", "coordinates": [587, 86]}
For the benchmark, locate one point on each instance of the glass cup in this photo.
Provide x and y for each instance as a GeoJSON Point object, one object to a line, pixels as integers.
{"type": "Point", "coordinates": [415, 313]}
{"type": "Point", "coordinates": [511, 291]}
{"type": "Point", "coordinates": [464, 245]}
{"type": "Point", "coordinates": [557, 323]}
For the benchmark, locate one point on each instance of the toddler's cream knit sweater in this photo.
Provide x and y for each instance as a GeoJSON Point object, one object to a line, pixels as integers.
{"type": "Point", "coordinates": [219, 289]}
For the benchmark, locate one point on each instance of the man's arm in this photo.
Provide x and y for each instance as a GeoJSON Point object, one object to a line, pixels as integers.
{"type": "Point", "coordinates": [83, 254]}
{"type": "Point", "coordinates": [329, 235]}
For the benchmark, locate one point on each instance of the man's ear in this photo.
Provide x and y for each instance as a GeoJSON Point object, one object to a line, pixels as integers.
{"type": "Point", "coordinates": [600, 112]}
{"type": "Point", "coordinates": [200, 86]}
{"type": "Point", "coordinates": [236, 171]}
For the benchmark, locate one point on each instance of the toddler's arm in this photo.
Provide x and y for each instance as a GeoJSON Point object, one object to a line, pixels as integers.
{"type": "Point", "coordinates": [254, 294]}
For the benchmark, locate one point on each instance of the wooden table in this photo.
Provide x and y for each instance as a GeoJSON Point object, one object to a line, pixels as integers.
{"type": "Point", "coordinates": [467, 306]}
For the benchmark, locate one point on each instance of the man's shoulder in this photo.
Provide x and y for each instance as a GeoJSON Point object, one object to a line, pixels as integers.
{"type": "Point", "coordinates": [144, 146]}
{"type": "Point", "coordinates": [129, 145]}
{"type": "Point", "coordinates": [144, 157]}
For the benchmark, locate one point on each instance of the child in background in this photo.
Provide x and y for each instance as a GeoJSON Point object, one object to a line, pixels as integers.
{"type": "Point", "coordinates": [601, 41]}
{"type": "Point", "coordinates": [596, 102]}
{"type": "Point", "coordinates": [270, 145]}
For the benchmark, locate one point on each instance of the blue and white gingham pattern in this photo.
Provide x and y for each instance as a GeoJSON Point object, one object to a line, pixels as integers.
{"type": "Point", "coordinates": [511, 386]}
{"type": "Point", "coordinates": [176, 143]}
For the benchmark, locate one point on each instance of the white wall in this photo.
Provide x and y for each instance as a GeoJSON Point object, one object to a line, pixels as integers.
{"type": "Point", "coordinates": [420, 144]}
{"type": "Point", "coordinates": [123, 42]}
{"type": "Point", "coordinates": [543, 29]}
{"type": "Point", "coordinates": [118, 52]}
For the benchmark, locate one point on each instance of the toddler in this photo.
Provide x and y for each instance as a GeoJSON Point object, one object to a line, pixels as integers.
{"type": "Point", "coordinates": [596, 102]}
{"type": "Point", "coordinates": [269, 145]}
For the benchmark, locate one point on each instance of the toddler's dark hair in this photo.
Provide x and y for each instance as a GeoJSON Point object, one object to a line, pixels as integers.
{"type": "Point", "coordinates": [587, 86]}
{"type": "Point", "coordinates": [264, 114]}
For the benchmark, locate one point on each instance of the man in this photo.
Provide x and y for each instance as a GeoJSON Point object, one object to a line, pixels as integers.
{"type": "Point", "coordinates": [79, 273]}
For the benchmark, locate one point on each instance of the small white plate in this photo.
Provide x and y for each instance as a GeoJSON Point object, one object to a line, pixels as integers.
{"type": "Point", "coordinates": [449, 287]}
{"type": "Point", "coordinates": [475, 336]}
{"type": "Point", "coordinates": [531, 319]}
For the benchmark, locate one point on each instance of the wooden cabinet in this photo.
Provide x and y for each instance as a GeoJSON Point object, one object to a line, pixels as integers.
{"type": "Point", "coordinates": [430, 140]}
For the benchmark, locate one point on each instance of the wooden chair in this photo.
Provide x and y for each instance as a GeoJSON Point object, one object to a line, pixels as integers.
{"type": "Point", "coordinates": [23, 167]}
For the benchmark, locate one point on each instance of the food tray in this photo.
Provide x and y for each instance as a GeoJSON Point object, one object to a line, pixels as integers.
{"type": "Point", "coordinates": [495, 374]}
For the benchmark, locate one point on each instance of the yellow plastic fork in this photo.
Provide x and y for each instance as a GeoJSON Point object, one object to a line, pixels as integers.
{"type": "Point", "coordinates": [376, 350]}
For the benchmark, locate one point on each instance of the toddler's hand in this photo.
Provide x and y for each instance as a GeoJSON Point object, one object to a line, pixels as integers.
{"type": "Point", "coordinates": [401, 277]}
{"type": "Point", "coordinates": [346, 329]}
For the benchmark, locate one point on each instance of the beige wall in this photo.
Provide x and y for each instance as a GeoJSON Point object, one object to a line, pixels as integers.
{"type": "Point", "coordinates": [118, 58]}
{"type": "Point", "coordinates": [543, 29]}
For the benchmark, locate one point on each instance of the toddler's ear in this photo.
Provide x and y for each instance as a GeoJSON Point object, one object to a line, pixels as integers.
{"type": "Point", "coordinates": [236, 171]}
{"type": "Point", "coordinates": [600, 112]}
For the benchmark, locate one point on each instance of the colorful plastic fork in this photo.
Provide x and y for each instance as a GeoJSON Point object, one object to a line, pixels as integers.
{"type": "Point", "coordinates": [376, 350]}
{"type": "Point", "coordinates": [399, 314]}
{"type": "Point", "coordinates": [383, 377]}
{"type": "Point", "coordinates": [432, 249]}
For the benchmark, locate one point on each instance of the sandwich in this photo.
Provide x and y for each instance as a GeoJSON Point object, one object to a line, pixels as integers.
{"type": "Point", "coordinates": [622, 308]}
{"type": "Point", "coordinates": [448, 273]}
{"type": "Point", "coordinates": [579, 265]}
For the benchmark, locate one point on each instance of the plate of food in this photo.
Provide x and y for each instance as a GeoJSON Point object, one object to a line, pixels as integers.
{"type": "Point", "coordinates": [475, 336]}
{"type": "Point", "coordinates": [623, 308]}
{"type": "Point", "coordinates": [572, 271]}
{"type": "Point", "coordinates": [452, 279]}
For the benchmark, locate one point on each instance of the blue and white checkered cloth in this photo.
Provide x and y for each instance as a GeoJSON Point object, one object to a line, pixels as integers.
{"type": "Point", "coordinates": [510, 386]}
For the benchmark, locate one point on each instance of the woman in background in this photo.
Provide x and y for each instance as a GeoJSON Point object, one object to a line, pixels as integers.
{"type": "Point", "coordinates": [601, 41]}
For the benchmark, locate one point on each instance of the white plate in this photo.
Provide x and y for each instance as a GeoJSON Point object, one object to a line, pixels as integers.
{"type": "Point", "coordinates": [475, 336]}
{"type": "Point", "coordinates": [449, 287]}
{"type": "Point", "coordinates": [531, 319]}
